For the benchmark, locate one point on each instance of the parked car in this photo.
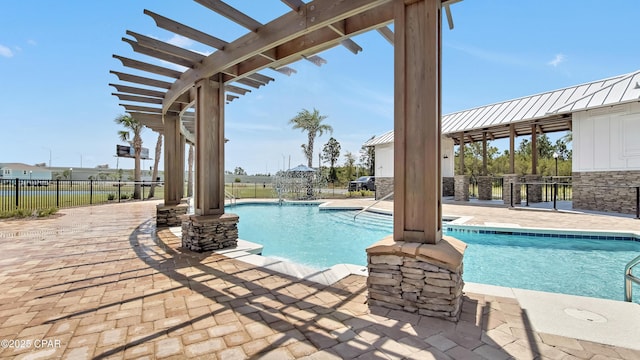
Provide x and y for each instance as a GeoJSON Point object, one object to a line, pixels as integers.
{"type": "Point", "coordinates": [363, 183]}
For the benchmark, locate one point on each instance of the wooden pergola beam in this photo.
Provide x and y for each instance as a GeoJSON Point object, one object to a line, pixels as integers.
{"type": "Point", "coordinates": [141, 80]}
{"type": "Point", "coordinates": [158, 54]}
{"type": "Point", "coordinates": [386, 33]}
{"type": "Point", "coordinates": [186, 31]}
{"type": "Point", "coordinates": [166, 48]}
{"type": "Point", "coordinates": [139, 65]}
{"type": "Point", "coordinates": [231, 13]}
{"type": "Point", "coordinates": [236, 89]}
{"type": "Point", "coordinates": [138, 91]}
{"type": "Point", "coordinates": [135, 98]}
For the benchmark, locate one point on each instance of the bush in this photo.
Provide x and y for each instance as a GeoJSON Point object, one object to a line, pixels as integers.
{"type": "Point", "coordinates": [124, 196]}
{"type": "Point", "coordinates": [111, 196]}
{"type": "Point", "coordinates": [237, 180]}
{"type": "Point", "coordinates": [360, 193]}
{"type": "Point", "coordinates": [23, 213]}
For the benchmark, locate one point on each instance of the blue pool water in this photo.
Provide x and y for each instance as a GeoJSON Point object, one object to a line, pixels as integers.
{"type": "Point", "coordinates": [306, 235]}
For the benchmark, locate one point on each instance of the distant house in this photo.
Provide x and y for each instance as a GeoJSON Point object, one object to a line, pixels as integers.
{"type": "Point", "coordinates": [24, 171]}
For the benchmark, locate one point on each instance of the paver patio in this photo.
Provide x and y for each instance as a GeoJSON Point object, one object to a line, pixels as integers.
{"type": "Point", "coordinates": [100, 283]}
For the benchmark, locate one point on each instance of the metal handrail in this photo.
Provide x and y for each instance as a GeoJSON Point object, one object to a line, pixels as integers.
{"type": "Point", "coordinates": [368, 207]}
{"type": "Point", "coordinates": [232, 199]}
{"type": "Point", "coordinates": [628, 278]}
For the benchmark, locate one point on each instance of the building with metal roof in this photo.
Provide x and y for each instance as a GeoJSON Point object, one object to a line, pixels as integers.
{"type": "Point", "coordinates": [603, 115]}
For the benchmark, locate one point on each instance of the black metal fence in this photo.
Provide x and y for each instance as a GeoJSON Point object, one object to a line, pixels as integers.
{"type": "Point", "coordinates": [42, 194]}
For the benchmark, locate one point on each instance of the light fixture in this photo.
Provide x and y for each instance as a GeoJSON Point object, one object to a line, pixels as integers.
{"type": "Point", "coordinates": [445, 156]}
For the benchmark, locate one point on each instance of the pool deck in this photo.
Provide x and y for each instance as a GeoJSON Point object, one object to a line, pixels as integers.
{"type": "Point", "coordinates": [101, 283]}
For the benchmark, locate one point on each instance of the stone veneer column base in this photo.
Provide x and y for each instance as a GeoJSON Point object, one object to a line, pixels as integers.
{"type": "Point", "coordinates": [170, 215]}
{"type": "Point", "coordinates": [485, 188]}
{"type": "Point", "coordinates": [461, 188]}
{"type": "Point", "coordinates": [448, 186]}
{"type": "Point", "coordinates": [384, 187]}
{"type": "Point", "coordinates": [535, 190]}
{"type": "Point", "coordinates": [506, 189]}
{"type": "Point", "coordinates": [209, 232]}
{"type": "Point", "coordinates": [414, 277]}
{"type": "Point", "coordinates": [612, 191]}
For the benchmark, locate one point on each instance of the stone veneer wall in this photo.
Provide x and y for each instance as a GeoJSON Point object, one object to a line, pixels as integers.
{"type": "Point", "coordinates": [209, 232]}
{"type": "Point", "coordinates": [448, 186]}
{"type": "Point", "coordinates": [506, 189]}
{"type": "Point", "coordinates": [170, 216]}
{"type": "Point", "coordinates": [461, 188]}
{"type": "Point", "coordinates": [384, 186]}
{"type": "Point", "coordinates": [606, 191]}
{"type": "Point", "coordinates": [534, 194]}
{"type": "Point", "coordinates": [413, 277]}
{"type": "Point", "coordinates": [485, 188]}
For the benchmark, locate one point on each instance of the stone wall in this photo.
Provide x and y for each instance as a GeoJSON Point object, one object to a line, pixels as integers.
{"type": "Point", "coordinates": [461, 188]}
{"type": "Point", "coordinates": [534, 191]}
{"type": "Point", "coordinates": [448, 186]}
{"type": "Point", "coordinates": [209, 232]}
{"type": "Point", "coordinates": [485, 188]}
{"type": "Point", "coordinates": [422, 278]}
{"type": "Point", "coordinates": [384, 186]}
{"type": "Point", "coordinates": [506, 190]}
{"type": "Point", "coordinates": [606, 191]}
{"type": "Point", "coordinates": [170, 216]}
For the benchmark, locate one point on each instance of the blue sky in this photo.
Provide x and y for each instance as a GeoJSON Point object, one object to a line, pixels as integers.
{"type": "Point", "coordinates": [55, 59]}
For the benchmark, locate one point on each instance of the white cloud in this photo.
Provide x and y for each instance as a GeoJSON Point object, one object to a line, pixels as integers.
{"type": "Point", "coordinates": [180, 41]}
{"type": "Point", "coordinates": [5, 51]}
{"type": "Point", "coordinates": [560, 58]}
{"type": "Point", "coordinates": [32, 42]}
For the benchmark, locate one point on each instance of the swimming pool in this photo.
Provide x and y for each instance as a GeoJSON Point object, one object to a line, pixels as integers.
{"type": "Point", "coordinates": [568, 264]}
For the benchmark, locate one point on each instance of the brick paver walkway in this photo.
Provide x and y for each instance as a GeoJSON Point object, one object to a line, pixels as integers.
{"type": "Point", "coordinates": [98, 283]}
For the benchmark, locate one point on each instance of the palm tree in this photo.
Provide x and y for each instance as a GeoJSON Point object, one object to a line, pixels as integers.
{"type": "Point", "coordinates": [132, 125]}
{"type": "Point", "coordinates": [311, 123]}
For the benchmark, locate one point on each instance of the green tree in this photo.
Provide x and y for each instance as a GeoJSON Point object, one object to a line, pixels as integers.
{"type": "Point", "coordinates": [331, 153]}
{"type": "Point", "coordinates": [239, 171]}
{"type": "Point", "coordinates": [350, 160]}
{"type": "Point", "coordinates": [132, 126]}
{"type": "Point", "coordinates": [368, 158]}
{"type": "Point", "coordinates": [311, 122]}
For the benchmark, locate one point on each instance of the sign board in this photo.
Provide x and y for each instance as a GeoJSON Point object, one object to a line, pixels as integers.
{"type": "Point", "coordinates": [129, 152]}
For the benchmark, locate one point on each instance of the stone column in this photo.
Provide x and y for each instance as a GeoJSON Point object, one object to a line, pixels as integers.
{"type": "Point", "coordinates": [448, 186]}
{"type": "Point", "coordinates": [535, 190]}
{"type": "Point", "coordinates": [384, 186]}
{"type": "Point", "coordinates": [506, 189]}
{"type": "Point", "coordinates": [461, 188]}
{"type": "Point", "coordinates": [417, 270]}
{"type": "Point", "coordinates": [210, 228]}
{"type": "Point", "coordinates": [485, 188]}
{"type": "Point", "coordinates": [169, 213]}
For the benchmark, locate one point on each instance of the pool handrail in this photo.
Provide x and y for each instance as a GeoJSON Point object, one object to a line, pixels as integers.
{"type": "Point", "coordinates": [368, 207]}
{"type": "Point", "coordinates": [232, 199]}
{"type": "Point", "coordinates": [628, 278]}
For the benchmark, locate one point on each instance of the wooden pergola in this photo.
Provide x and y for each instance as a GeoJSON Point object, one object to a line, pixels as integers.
{"type": "Point", "coordinates": [191, 108]}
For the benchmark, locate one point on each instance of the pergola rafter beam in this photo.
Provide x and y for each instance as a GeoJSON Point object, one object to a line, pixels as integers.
{"type": "Point", "coordinates": [158, 54]}
{"type": "Point", "coordinates": [296, 5]}
{"type": "Point", "coordinates": [166, 48]}
{"type": "Point", "coordinates": [141, 80]}
{"type": "Point", "coordinates": [139, 65]}
{"type": "Point", "coordinates": [236, 89]}
{"type": "Point", "coordinates": [231, 13]}
{"type": "Point", "coordinates": [138, 91]}
{"type": "Point", "coordinates": [186, 31]}
{"type": "Point", "coordinates": [136, 98]}
{"type": "Point", "coordinates": [387, 34]}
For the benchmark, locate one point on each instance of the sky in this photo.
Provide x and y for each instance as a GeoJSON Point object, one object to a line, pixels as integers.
{"type": "Point", "coordinates": [55, 58]}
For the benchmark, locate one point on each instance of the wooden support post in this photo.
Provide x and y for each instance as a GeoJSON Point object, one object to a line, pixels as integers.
{"type": "Point", "coordinates": [512, 149]}
{"type": "Point", "coordinates": [534, 150]}
{"type": "Point", "coordinates": [173, 160]}
{"type": "Point", "coordinates": [209, 162]}
{"type": "Point", "coordinates": [417, 204]}
{"type": "Point", "coordinates": [484, 154]}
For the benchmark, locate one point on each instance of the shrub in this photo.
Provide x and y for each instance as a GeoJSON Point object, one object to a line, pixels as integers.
{"type": "Point", "coordinates": [23, 213]}
{"type": "Point", "coordinates": [124, 196]}
{"type": "Point", "coordinates": [111, 196]}
{"type": "Point", "coordinates": [237, 180]}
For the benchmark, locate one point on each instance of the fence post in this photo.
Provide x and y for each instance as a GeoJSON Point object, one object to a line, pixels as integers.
{"type": "Point", "coordinates": [17, 192]}
{"type": "Point", "coordinates": [119, 186]}
{"type": "Point", "coordinates": [526, 187]}
{"type": "Point", "coordinates": [637, 202]}
{"type": "Point", "coordinates": [58, 193]}
{"type": "Point", "coordinates": [555, 195]}
{"type": "Point", "coordinates": [91, 192]}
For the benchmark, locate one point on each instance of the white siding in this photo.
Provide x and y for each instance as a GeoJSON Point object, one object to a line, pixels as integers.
{"type": "Point", "coordinates": [384, 158]}
{"type": "Point", "coordinates": [607, 139]}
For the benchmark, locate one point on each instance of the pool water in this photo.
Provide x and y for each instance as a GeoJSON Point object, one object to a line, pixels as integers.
{"type": "Point", "coordinates": [320, 239]}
